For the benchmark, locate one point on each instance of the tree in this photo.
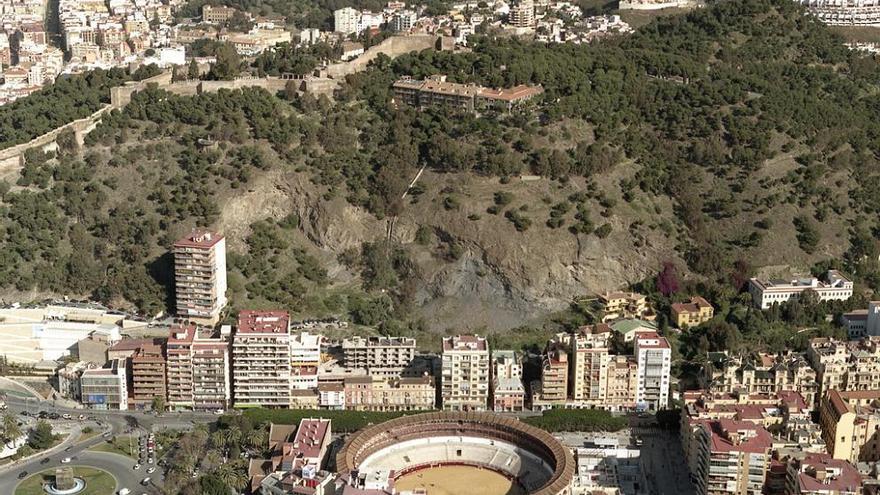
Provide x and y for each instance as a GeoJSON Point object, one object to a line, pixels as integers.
{"type": "Point", "coordinates": [42, 436]}
{"type": "Point", "coordinates": [158, 403]}
{"type": "Point", "coordinates": [213, 485]}
{"type": "Point", "coordinates": [11, 431]}
{"type": "Point", "coordinates": [231, 476]}
{"type": "Point", "coordinates": [193, 70]}
{"type": "Point", "coordinates": [667, 280]}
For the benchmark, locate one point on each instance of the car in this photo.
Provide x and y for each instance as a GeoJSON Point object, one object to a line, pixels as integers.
{"type": "Point", "coordinates": [107, 434]}
{"type": "Point", "coordinates": [151, 470]}
{"type": "Point", "coordinates": [82, 417]}
{"type": "Point", "coordinates": [145, 481]}
{"type": "Point", "coordinates": [67, 416]}
{"type": "Point", "coordinates": [45, 460]}
{"type": "Point", "coordinates": [124, 491]}
{"type": "Point", "coordinates": [136, 467]}
{"type": "Point", "coordinates": [218, 412]}
{"type": "Point", "coordinates": [22, 474]}
{"type": "Point", "coordinates": [66, 460]}
{"type": "Point", "coordinates": [54, 416]}
{"type": "Point", "coordinates": [68, 449]}
{"type": "Point", "coordinates": [25, 413]}
{"type": "Point", "coordinates": [150, 460]}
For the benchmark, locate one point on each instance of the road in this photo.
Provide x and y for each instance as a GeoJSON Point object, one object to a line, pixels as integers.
{"type": "Point", "coordinates": [663, 461]}
{"type": "Point", "coordinates": [115, 422]}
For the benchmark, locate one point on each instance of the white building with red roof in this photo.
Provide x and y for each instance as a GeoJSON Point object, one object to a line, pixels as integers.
{"type": "Point", "coordinates": [465, 373]}
{"type": "Point", "coordinates": [728, 456]}
{"type": "Point", "coordinates": [200, 275]}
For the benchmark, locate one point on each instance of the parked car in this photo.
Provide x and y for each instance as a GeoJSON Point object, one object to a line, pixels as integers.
{"type": "Point", "coordinates": [145, 481]}
{"type": "Point", "coordinates": [66, 460]}
{"type": "Point", "coordinates": [22, 474]}
{"type": "Point", "coordinates": [136, 467]}
{"type": "Point", "coordinates": [151, 470]}
{"type": "Point", "coordinates": [45, 461]}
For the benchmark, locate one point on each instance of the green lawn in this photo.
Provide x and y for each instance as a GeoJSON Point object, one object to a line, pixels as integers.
{"type": "Point", "coordinates": [98, 482]}
{"type": "Point", "coordinates": [119, 445]}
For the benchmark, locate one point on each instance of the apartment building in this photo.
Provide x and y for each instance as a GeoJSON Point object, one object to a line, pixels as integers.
{"type": "Point", "coordinates": [375, 393]}
{"type": "Point", "coordinates": [846, 365]}
{"type": "Point", "coordinates": [692, 313]}
{"type": "Point", "coordinates": [863, 322]}
{"type": "Point", "coordinates": [385, 356]}
{"type": "Point", "coordinates": [436, 91]}
{"type": "Point", "coordinates": [403, 20]}
{"type": "Point", "coordinates": [623, 382]}
{"type": "Point", "coordinates": [850, 424]}
{"type": "Point", "coordinates": [821, 474]}
{"type": "Point", "coordinates": [217, 15]}
{"type": "Point", "coordinates": [261, 361]}
{"type": "Point", "coordinates": [654, 358]}
{"type": "Point", "coordinates": [200, 276]}
{"type": "Point", "coordinates": [728, 456]}
{"type": "Point", "coordinates": [588, 376]}
{"type": "Point", "coordinates": [148, 375]}
{"type": "Point", "coordinates": [522, 15]}
{"type": "Point", "coordinates": [761, 373]}
{"type": "Point", "coordinates": [305, 358]}
{"type": "Point", "coordinates": [105, 388]}
{"type": "Point", "coordinates": [331, 396]}
{"type": "Point", "coordinates": [347, 20]}
{"type": "Point", "coordinates": [465, 373]}
{"type": "Point", "coordinates": [766, 293]}
{"type": "Point", "coordinates": [198, 368]}
{"type": "Point", "coordinates": [69, 379]}
{"type": "Point", "coordinates": [552, 389]}
{"type": "Point", "coordinates": [617, 305]}
{"type": "Point", "coordinates": [508, 391]}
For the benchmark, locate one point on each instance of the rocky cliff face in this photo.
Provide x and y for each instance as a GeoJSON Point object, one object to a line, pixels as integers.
{"type": "Point", "coordinates": [499, 277]}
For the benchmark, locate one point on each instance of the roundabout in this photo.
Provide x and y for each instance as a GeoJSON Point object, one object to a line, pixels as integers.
{"type": "Point", "coordinates": [86, 481]}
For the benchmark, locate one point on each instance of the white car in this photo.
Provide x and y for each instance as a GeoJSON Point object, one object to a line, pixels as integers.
{"type": "Point", "coordinates": [151, 470]}
{"type": "Point", "coordinates": [218, 412]}
{"type": "Point", "coordinates": [145, 481]}
{"type": "Point", "coordinates": [136, 467]}
{"type": "Point", "coordinates": [67, 416]}
{"type": "Point", "coordinates": [124, 491]}
{"type": "Point", "coordinates": [65, 460]}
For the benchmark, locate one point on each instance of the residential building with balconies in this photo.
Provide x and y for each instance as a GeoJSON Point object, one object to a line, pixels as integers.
{"type": "Point", "coordinates": [654, 357]}
{"type": "Point", "coordinates": [198, 368]}
{"type": "Point", "coordinates": [465, 373]}
{"type": "Point", "coordinates": [385, 356]}
{"type": "Point", "coordinates": [200, 276]}
{"type": "Point", "coordinates": [261, 360]}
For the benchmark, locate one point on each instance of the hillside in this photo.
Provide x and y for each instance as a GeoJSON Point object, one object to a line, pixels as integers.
{"type": "Point", "coordinates": [738, 138]}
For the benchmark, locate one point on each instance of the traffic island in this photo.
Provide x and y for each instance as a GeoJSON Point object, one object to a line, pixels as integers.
{"type": "Point", "coordinates": [68, 481]}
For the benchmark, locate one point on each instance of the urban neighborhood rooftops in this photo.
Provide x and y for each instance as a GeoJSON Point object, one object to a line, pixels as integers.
{"type": "Point", "coordinates": [274, 322]}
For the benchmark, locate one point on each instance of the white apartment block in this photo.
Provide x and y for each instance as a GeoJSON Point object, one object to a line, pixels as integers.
{"type": "Point", "coordinates": [654, 358]}
{"type": "Point", "coordinates": [198, 368]}
{"type": "Point", "coordinates": [261, 359]}
{"type": "Point", "coordinates": [766, 293]}
{"type": "Point", "coordinates": [506, 365]}
{"type": "Point", "coordinates": [404, 20]}
{"type": "Point", "coordinates": [200, 275]}
{"type": "Point", "coordinates": [347, 21]}
{"type": "Point", "coordinates": [385, 356]}
{"type": "Point", "coordinates": [305, 358]}
{"type": "Point", "coordinates": [465, 373]}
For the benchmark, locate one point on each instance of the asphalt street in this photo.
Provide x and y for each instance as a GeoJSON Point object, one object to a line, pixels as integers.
{"type": "Point", "coordinates": [116, 422]}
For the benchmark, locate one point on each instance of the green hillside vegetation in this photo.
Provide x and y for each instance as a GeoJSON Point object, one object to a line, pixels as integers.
{"type": "Point", "coordinates": [753, 118]}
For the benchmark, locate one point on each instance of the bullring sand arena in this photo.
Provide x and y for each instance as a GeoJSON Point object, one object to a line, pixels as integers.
{"type": "Point", "coordinates": [456, 480]}
{"type": "Point", "coordinates": [456, 453]}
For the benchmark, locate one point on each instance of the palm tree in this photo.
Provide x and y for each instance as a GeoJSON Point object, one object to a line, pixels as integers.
{"type": "Point", "coordinates": [256, 438]}
{"type": "Point", "coordinates": [219, 438]}
{"type": "Point", "coordinates": [11, 430]}
{"type": "Point", "coordinates": [234, 478]}
{"type": "Point", "coordinates": [233, 435]}
{"type": "Point", "coordinates": [213, 458]}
